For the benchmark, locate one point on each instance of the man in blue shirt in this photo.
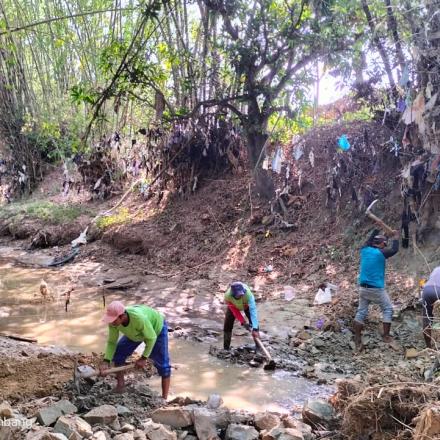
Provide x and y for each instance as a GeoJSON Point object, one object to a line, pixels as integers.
{"type": "Point", "coordinates": [372, 283]}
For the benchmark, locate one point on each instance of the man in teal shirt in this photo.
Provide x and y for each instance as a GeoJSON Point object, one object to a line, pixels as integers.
{"type": "Point", "coordinates": [138, 323]}
{"type": "Point", "coordinates": [374, 254]}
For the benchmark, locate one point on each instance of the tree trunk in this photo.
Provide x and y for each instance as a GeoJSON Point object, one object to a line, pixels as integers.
{"type": "Point", "coordinates": [379, 45]}
{"type": "Point", "coordinates": [429, 76]}
{"type": "Point", "coordinates": [392, 28]}
{"type": "Point", "coordinates": [256, 141]}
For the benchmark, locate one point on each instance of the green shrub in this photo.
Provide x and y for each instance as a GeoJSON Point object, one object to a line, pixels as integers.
{"type": "Point", "coordinates": [104, 222]}
{"type": "Point", "coordinates": [43, 210]}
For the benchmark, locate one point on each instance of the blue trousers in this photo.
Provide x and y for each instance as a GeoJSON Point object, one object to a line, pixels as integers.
{"type": "Point", "coordinates": [159, 354]}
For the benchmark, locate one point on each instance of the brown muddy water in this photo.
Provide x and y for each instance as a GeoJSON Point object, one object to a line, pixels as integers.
{"type": "Point", "coordinates": [195, 373]}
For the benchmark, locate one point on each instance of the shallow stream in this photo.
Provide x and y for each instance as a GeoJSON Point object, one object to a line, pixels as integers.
{"type": "Point", "coordinates": [196, 373]}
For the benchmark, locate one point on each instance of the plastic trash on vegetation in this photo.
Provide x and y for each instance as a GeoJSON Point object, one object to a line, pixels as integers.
{"type": "Point", "coordinates": [81, 239]}
{"type": "Point", "coordinates": [343, 143]}
{"type": "Point", "coordinates": [288, 293]}
{"type": "Point", "coordinates": [320, 323]}
{"type": "Point", "coordinates": [277, 161]}
{"type": "Point", "coordinates": [323, 296]}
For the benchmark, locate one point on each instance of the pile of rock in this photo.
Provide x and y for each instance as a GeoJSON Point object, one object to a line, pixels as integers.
{"type": "Point", "coordinates": [181, 420]}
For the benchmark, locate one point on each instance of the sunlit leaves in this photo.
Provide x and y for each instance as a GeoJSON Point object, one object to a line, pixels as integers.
{"type": "Point", "coordinates": [79, 94]}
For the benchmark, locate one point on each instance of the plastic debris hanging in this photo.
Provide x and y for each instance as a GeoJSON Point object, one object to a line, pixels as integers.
{"type": "Point", "coordinates": [343, 143]}
{"type": "Point", "coordinates": [277, 161]}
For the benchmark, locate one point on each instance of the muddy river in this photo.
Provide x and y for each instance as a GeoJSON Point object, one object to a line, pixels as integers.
{"type": "Point", "coordinates": [77, 325]}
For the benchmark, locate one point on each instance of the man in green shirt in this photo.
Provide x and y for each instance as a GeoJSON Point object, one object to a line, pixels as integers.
{"type": "Point", "coordinates": [138, 323]}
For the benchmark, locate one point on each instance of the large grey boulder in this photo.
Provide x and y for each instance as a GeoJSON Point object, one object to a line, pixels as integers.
{"type": "Point", "coordinates": [173, 416]}
{"type": "Point", "coordinates": [48, 416]}
{"type": "Point", "coordinates": [266, 421]}
{"type": "Point", "coordinates": [241, 432]}
{"type": "Point", "coordinates": [205, 424]}
{"type": "Point", "coordinates": [70, 425]}
{"type": "Point", "coordinates": [317, 413]}
{"type": "Point", "coordinates": [102, 415]}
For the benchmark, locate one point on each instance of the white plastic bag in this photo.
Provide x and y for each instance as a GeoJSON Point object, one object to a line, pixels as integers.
{"type": "Point", "coordinates": [323, 296]}
{"type": "Point", "coordinates": [289, 293]}
{"type": "Point", "coordinates": [277, 161]}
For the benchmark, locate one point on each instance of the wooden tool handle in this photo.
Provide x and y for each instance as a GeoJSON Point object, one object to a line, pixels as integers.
{"type": "Point", "coordinates": [106, 372]}
{"type": "Point", "coordinates": [380, 223]}
{"type": "Point", "coordinates": [266, 353]}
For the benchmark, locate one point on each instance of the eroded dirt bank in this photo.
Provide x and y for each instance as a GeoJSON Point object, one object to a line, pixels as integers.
{"type": "Point", "coordinates": [180, 255]}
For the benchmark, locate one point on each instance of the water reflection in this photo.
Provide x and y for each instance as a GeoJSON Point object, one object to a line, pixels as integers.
{"type": "Point", "coordinates": [197, 374]}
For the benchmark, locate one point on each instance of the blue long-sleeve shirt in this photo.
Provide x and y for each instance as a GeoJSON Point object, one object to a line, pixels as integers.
{"type": "Point", "coordinates": [373, 261]}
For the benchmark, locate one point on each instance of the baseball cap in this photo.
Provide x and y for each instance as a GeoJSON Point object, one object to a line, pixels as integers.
{"type": "Point", "coordinates": [379, 239]}
{"type": "Point", "coordinates": [237, 289]}
{"type": "Point", "coordinates": [114, 309]}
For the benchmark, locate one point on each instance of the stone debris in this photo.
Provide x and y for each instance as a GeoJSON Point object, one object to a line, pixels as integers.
{"type": "Point", "coordinates": [102, 415]}
{"type": "Point", "coordinates": [69, 425]}
{"type": "Point", "coordinates": [205, 424]}
{"type": "Point", "coordinates": [175, 417]}
{"type": "Point", "coordinates": [156, 431]}
{"type": "Point", "coordinates": [49, 415]}
{"type": "Point", "coordinates": [241, 432]}
{"type": "Point", "coordinates": [99, 435]}
{"type": "Point", "coordinates": [5, 410]}
{"type": "Point", "coordinates": [319, 413]}
{"type": "Point", "coordinates": [280, 433]}
{"type": "Point", "coordinates": [266, 421]}
{"type": "Point", "coordinates": [214, 401]}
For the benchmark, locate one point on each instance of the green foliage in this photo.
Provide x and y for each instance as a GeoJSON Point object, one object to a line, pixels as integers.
{"type": "Point", "coordinates": [286, 126]}
{"type": "Point", "coordinates": [105, 222]}
{"type": "Point", "coordinates": [43, 210]}
{"type": "Point", "coordinates": [80, 94]}
{"type": "Point", "coordinates": [363, 114]}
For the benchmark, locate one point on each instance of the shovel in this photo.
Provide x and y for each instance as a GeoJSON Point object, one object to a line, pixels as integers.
{"type": "Point", "coordinates": [271, 365]}
{"type": "Point", "coordinates": [85, 371]}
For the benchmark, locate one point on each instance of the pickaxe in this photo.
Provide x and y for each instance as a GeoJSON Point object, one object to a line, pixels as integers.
{"type": "Point", "coordinates": [386, 228]}
{"type": "Point", "coordinates": [85, 371]}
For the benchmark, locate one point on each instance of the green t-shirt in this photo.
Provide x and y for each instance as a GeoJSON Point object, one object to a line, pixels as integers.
{"type": "Point", "coordinates": [145, 325]}
{"type": "Point", "coordinates": [241, 303]}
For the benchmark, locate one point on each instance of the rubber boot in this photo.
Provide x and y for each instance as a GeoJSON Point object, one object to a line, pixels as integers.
{"type": "Point", "coordinates": [386, 332]}
{"type": "Point", "coordinates": [357, 328]}
{"type": "Point", "coordinates": [227, 336]}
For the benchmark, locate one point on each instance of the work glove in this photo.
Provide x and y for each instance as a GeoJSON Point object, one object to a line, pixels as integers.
{"type": "Point", "coordinates": [246, 326]}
